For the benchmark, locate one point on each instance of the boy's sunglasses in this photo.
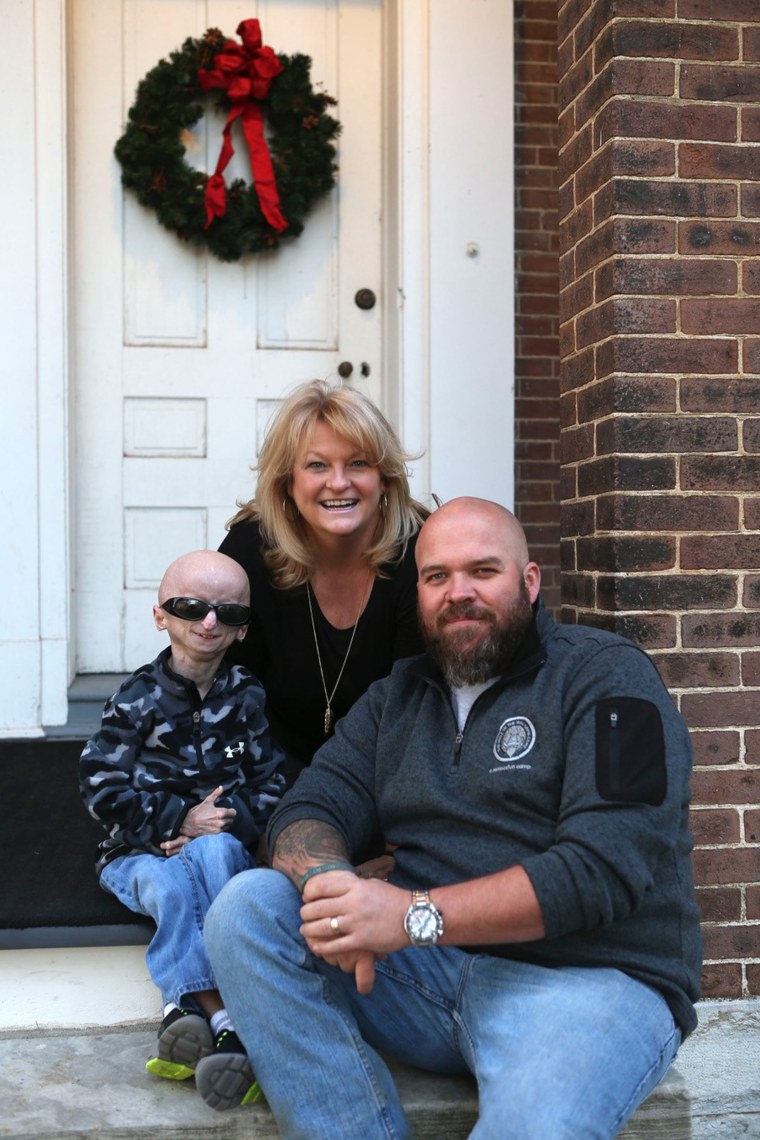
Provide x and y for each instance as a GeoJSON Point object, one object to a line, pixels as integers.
{"type": "Point", "coordinates": [193, 609]}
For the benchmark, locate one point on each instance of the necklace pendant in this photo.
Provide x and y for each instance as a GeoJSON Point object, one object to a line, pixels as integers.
{"type": "Point", "coordinates": [328, 720]}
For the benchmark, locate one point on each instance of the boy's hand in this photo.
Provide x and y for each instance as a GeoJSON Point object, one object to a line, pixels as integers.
{"type": "Point", "coordinates": [381, 867]}
{"type": "Point", "coordinates": [206, 818]}
{"type": "Point", "coordinates": [172, 846]}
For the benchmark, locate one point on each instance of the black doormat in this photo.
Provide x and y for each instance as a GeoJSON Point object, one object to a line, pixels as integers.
{"type": "Point", "coordinates": [49, 893]}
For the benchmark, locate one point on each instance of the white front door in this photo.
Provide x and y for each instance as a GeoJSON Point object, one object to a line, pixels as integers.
{"type": "Point", "coordinates": [179, 359]}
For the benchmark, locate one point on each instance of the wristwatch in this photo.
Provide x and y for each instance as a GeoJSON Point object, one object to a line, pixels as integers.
{"type": "Point", "coordinates": [423, 922]}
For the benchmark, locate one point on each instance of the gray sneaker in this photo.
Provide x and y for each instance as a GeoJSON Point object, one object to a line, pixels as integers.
{"type": "Point", "coordinates": [225, 1078]}
{"type": "Point", "coordinates": [184, 1039]}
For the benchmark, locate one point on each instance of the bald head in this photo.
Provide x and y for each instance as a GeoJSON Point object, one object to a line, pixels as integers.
{"type": "Point", "coordinates": [205, 574]}
{"type": "Point", "coordinates": [497, 527]}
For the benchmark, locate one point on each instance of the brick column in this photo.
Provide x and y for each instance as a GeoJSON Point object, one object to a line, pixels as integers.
{"type": "Point", "coordinates": [660, 378]}
{"type": "Point", "coordinates": [537, 288]}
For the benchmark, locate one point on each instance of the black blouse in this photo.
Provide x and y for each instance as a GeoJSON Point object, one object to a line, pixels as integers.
{"type": "Point", "coordinates": [279, 647]}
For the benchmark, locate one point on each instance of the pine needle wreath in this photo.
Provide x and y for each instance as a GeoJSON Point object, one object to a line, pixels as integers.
{"type": "Point", "coordinates": [300, 135]}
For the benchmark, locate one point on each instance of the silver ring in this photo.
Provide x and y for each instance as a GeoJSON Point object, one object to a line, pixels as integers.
{"type": "Point", "coordinates": [334, 924]}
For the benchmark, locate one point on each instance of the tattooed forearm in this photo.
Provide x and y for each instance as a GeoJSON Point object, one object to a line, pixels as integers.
{"type": "Point", "coordinates": [307, 843]}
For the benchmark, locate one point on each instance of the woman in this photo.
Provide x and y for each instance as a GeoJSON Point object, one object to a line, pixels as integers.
{"type": "Point", "coordinates": [328, 546]}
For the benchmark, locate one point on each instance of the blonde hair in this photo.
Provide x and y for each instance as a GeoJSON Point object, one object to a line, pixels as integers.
{"type": "Point", "coordinates": [352, 416]}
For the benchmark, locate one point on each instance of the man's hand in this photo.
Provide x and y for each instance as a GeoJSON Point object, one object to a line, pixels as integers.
{"type": "Point", "coordinates": [206, 818]}
{"type": "Point", "coordinates": [352, 922]}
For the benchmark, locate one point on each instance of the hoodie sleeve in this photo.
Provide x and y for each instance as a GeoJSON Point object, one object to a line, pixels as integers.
{"type": "Point", "coordinates": [114, 781]}
{"type": "Point", "coordinates": [625, 793]}
{"type": "Point", "coordinates": [251, 770]}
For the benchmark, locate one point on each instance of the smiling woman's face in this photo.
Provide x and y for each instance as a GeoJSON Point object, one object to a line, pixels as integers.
{"type": "Point", "coordinates": [335, 489]}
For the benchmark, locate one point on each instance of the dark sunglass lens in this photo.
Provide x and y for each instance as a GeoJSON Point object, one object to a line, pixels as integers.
{"type": "Point", "coordinates": [193, 609]}
{"type": "Point", "coordinates": [229, 613]}
{"type": "Point", "coordinates": [189, 609]}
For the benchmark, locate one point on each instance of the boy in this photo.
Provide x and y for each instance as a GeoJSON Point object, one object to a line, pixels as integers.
{"type": "Point", "coordinates": [184, 777]}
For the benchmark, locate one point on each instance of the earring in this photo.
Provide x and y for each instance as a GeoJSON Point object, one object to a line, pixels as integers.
{"type": "Point", "coordinates": [384, 501]}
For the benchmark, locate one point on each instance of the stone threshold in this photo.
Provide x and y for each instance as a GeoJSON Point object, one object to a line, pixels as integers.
{"type": "Point", "coordinates": [93, 1083]}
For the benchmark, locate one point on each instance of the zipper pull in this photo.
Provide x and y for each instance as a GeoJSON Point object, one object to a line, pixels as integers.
{"type": "Point", "coordinates": [615, 783]}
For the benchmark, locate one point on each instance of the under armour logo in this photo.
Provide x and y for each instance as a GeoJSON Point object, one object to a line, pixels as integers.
{"type": "Point", "coordinates": [230, 751]}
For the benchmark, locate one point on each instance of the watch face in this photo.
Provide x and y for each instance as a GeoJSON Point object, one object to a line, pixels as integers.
{"type": "Point", "coordinates": [422, 924]}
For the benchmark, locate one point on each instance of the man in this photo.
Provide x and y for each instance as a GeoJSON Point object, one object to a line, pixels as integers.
{"type": "Point", "coordinates": [539, 929]}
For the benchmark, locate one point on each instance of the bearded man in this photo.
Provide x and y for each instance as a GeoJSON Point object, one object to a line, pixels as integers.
{"type": "Point", "coordinates": [539, 929]}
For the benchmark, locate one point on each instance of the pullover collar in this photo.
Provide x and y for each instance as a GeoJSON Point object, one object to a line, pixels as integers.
{"type": "Point", "coordinates": [184, 686]}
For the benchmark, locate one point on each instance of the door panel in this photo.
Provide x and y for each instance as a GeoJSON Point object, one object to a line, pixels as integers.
{"type": "Point", "coordinates": [180, 359]}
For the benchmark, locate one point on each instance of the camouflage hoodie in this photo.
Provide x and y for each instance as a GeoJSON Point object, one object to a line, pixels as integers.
{"type": "Point", "coordinates": [161, 750]}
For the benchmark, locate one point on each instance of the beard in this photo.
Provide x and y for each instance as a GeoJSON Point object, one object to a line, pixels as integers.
{"type": "Point", "coordinates": [466, 658]}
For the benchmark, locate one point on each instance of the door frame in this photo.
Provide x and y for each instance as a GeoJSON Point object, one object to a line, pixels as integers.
{"type": "Point", "coordinates": [416, 80]}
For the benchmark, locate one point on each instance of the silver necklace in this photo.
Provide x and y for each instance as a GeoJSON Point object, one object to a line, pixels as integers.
{"type": "Point", "coordinates": [329, 699]}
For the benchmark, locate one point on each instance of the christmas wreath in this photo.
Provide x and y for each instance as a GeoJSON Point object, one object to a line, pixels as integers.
{"type": "Point", "coordinates": [293, 164]}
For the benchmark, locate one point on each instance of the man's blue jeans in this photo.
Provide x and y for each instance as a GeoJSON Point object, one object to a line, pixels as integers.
{"type": "Point", "coordinates": [558, 1053]}
{"type": "Point", "coordinates": [176, 893]}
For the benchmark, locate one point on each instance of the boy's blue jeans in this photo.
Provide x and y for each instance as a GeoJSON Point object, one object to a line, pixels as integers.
{"type": "Point", "coordinates": [176, 893]}
{"type": "Point", "coordinates": [558, 1053]}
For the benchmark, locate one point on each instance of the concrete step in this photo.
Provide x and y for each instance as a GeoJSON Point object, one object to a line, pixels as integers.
{"type": "Point", "coordinates": [97, 1085]}
{"type": "Point", "coordinates": [70, 1086]}
{"type": "Point", "coordinates": [87, 694]}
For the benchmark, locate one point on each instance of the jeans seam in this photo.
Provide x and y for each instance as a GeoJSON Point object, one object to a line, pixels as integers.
{"type": "Point", "coordinates": [458, 1021]}
{"type": "Point", "coordinates": [405, 979]}
{"type": "Point", "coordinates": [189, 871]}
{"type": "Point", "coordinates": [361, 1048]}
{"type": "Point", "coordinates": [636, 1098]}
{"type": "Point", "coordinates": [450, 1008]}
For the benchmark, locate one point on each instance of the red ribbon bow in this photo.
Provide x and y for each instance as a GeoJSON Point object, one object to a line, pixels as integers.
{"type": "Point", "coordinates": [245, 73]}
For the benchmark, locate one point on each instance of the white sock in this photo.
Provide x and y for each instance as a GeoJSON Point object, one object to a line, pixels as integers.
{"type": "Point", "coordinates": [220, 1021]}
{"type": "Point", "coordinates": [169, 1007]}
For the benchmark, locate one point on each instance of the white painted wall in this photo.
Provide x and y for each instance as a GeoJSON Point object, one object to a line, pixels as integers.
{"type": "Point", "coordinates": [33, 456]}
{"type": "Point", "coordinates": [471, 296]}
{"type": "Point", "coordinates": [18, 457]}
{"type": "Point", "coordinates": [450, 193]}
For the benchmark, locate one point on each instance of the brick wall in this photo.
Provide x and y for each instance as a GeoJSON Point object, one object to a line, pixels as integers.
{"type": "Point", "coordinates": [537, 289]}
{"type": "Point", "coordinates": [659, 206]}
